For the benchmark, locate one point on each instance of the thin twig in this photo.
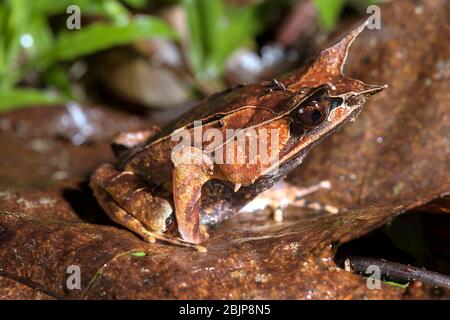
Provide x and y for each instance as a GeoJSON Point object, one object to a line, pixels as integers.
{"type": "Point", "coordinates": [398, 272]}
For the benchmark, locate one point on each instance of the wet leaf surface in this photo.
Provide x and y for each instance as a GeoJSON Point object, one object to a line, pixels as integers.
{"type": "Point", "coordinates": [392, 159]}
{"type": "Point", "coordinates": [45, 141]}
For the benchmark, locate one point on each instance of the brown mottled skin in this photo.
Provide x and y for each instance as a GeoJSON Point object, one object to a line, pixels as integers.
{"type": "Point", "coordinates": [146, 187]}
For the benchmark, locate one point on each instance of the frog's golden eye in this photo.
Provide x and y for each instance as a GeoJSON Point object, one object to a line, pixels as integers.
{"type": "Point", "coordinates": [313, 114]}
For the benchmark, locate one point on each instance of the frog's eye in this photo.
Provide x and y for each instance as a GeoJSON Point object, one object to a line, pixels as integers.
{"type": "Point", "coordinates": [313, 114]}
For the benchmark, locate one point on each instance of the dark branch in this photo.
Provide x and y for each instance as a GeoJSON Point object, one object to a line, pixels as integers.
{"type": "Point", "coordinates": [398, 272]}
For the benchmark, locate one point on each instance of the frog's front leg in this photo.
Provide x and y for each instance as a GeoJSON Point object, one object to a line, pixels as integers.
{"type": "Point", "coordinates": [130, 203]}
{"type": "Point", "coordinates": [192, 169]}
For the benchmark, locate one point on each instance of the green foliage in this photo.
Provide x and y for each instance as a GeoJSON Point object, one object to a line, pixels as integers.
{"type": "Point", "coordinates": [136, 3]}
{"type": "Point", "coordinates": [15, 98]}
{"type": "Point", "coordinates": [216, 30]}
{"type": "Point", "coordinates": [330, 10]}
{"type": "Point", "coordinates": [70, 45]}
{"type": "Point", "coordinates": [27, 44]}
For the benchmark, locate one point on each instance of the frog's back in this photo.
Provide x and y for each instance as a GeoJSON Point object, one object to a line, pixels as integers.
{"type": "Point", "coordinates": [226, 102]}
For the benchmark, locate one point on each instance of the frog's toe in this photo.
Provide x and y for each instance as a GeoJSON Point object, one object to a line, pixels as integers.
{"type": "Point", "coordinates": [198, 236]}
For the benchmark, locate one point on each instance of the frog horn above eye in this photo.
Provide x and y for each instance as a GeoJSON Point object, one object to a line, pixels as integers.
{"type": "Point", "coordinates": [327, 67]}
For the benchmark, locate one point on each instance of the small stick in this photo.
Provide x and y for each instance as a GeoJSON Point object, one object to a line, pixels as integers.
{"type": "Point", "coordinates": [398, 272]}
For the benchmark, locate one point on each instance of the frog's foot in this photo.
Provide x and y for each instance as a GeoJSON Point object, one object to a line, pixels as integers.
{"type": "Point", "coordinates": [131, 205]}
{"type": "Point", "coordinates": [314, 205]}
{"type": "Point", "coordinates": [284, 194]}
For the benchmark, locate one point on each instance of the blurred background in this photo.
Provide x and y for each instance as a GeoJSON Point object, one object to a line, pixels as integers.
{"type": "Point", "coordinates": [142, 55]}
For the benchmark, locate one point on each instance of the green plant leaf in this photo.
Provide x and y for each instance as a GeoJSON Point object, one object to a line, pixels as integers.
{"type": "Point", "coordinates": [136, 3]}
{"type": "Point", "coordinates": [397, 285]}
{"type": "Point", "coordinates": [3, 19]}
{"type": "Point", "coordinates": [17, 98]}
{"type": "Point", "coordinates": [196, 50]}
{"type": "Point", "coordinates": [87, 7]}
{"type": "Point", "coordinates": [16, 18]}
{"type": "Point", "coordinates": [52, 7]}
{"type": "Point", "coordinates": [138, 254]}
{"type": "Point", "coordinates": [99, 36]}
{"type": "Point", "coordinates": [41, 34]}
{"type": "Point", "coordinates": [58, 77]}
{"type": "Point", "coordinates": [329, 12]}
{"type": "Point", "coordinates": [216, 30]}
{"type": "Point", "coordinates": [241, 27]}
